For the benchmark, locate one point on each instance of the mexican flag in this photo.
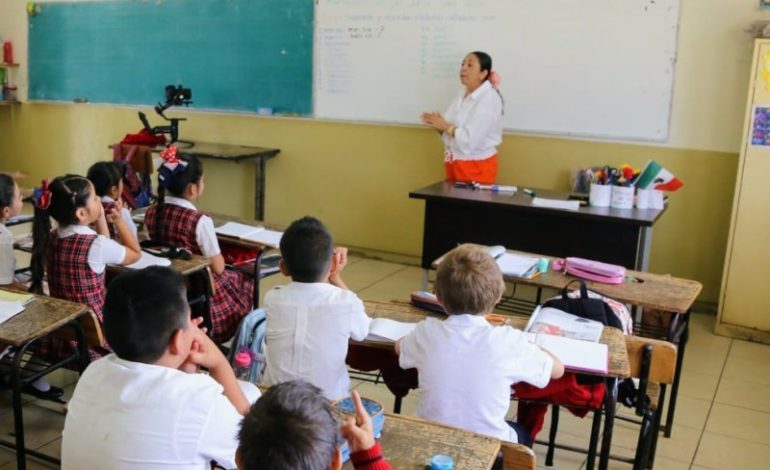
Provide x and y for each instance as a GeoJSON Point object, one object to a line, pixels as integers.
{"type": "Point", "coordinates": [655, 176]}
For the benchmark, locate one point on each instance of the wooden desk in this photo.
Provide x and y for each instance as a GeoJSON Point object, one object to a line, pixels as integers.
{"type": "Point", "coordinates": [185, 267]}
{"type": "Point", "coordinates": [409, 443]}
{"type": "Point", "coordinates": [460, 215]}
{"type": "Point", "coordinates": [41, 317]}
{"type": "Point", "coordinates": [237, 154]}
{"type": "Point", "coordinates": [399, 384]}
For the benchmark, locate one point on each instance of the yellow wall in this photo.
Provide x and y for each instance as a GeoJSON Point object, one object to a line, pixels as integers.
{"type": "Point", "coordinates": [356, 177]}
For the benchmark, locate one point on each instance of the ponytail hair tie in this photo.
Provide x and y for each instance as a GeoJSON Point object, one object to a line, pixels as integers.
{"type": "Point", "coordinates": [172, 165]}
{"type": "Point", "coordinates": [494, 79]}
{"type": "Point", "coordinates": [42, 195]}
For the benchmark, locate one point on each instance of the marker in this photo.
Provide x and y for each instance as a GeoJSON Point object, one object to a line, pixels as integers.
{"type": "Point", "coordinates": [529, 192]}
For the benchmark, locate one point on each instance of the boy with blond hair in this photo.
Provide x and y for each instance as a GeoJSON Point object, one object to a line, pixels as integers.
{"type": "Point", "coordinates": [467, 366]}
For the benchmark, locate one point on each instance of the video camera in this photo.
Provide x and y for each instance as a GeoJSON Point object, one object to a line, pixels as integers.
{"type": "Point", "coordinates": [175, 96]}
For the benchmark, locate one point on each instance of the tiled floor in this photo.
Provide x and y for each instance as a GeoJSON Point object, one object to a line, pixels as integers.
{"type": "Point", "coordinates": [722, 419]}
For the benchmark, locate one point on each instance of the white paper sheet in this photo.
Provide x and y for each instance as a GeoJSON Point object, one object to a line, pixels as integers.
{"type": "Point", "coordinates": [9, 309]}
{"type": "Point", "coordinates": [236, 230]}
{"type": "Point", "coordinates": [148, 260]}
{"type": "Point", "coordinates": [385, 329]}
{"type": "Point", "coordinates": [556, 203]}
{"type": "Point", "coordinates": [516, 265]}
{"type": "Point", "coordinates": [577, 355]}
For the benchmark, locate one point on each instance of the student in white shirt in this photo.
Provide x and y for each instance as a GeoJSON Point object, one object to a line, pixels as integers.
{"type": "Point", "coordinates": [146, 405]}
{"type": "Point", "coordinates": [472, 126]}
{"type": "Point", "coordinates": [465, 365]}
{"type": "Point", "coordinates": [311, 320]}
{"type": "Point", "coordinates": [107, 178]}
{"type": "Point", "coordinates": [10, 205]}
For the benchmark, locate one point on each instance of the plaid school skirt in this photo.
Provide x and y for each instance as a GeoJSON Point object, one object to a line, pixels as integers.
{"type": "Point", "coordinates": [233, 299]}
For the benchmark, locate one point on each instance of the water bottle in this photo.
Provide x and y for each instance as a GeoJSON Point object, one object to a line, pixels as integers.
{"type": "Point", "coordinates": [242, 366]}
{"type": "Point", "coordinates": [441, 462]}
{"type": "Point", "coordinates": [7, 52]}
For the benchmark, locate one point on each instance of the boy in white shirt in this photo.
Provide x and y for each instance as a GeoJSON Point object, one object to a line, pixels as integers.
{"type": "Point", "coordinates": [466, 366]}
{"type": "Point", "coordinates": [145, 406]}
{"type": "Point", "coordinates": [311, 320]}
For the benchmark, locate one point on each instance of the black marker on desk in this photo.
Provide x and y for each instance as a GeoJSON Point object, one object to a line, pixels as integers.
{"type": "Point", "coordinates": [529, 192]}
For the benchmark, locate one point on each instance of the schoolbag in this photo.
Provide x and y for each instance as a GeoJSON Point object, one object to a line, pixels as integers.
{"type": "Point", "coordinates": [250, 337]}
{"type": "Point", "coordinates": [585, 306]}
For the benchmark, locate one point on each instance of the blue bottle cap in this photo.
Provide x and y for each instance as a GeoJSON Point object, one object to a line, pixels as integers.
{"type": "Point", "coordinates": [441, 462]}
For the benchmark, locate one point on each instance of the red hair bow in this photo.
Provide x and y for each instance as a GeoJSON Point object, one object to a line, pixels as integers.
{"type": "Point", "coordinates": [169, 155]}
{"type": "Point", "coordinates": [43, 196]}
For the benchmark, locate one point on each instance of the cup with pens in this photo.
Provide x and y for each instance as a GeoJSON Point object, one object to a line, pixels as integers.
{"type": "Point", "coordinates": [612, 187]}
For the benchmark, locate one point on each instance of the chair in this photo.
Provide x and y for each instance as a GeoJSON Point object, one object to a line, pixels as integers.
{"type": "Point", "coordinates": [517, 456]}
{"type": "Point", "coordinates": [653, 362]}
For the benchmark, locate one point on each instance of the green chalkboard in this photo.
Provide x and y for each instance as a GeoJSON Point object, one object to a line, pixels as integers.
{"type": "Point", "coordinates": [233, 54]}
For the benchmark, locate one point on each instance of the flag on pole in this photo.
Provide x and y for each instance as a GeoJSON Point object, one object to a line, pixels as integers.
{"type": "Point", "coordinates": [655, 176]}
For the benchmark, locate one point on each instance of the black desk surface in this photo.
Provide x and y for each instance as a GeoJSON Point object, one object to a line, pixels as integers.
{"type": "Point", "coordinates": [446, 191]}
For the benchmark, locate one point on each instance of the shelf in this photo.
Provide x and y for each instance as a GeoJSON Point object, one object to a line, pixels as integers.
{"type": "Point", "coordinates": [4, 64]}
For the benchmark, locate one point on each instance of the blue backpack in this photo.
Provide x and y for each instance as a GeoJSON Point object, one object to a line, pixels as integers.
{"type": "Point", "coordinates": [251, 337]}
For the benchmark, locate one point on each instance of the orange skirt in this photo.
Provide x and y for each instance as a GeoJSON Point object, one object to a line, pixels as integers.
{"type": "Point", "coordinates": [479, 171]}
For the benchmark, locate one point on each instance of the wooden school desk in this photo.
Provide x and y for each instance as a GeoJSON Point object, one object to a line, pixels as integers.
{"type": "Point", "coordinates": [409, 442]}
{"type": "Point", "coordinates": [41, 317]}
{"type": "Point", "coordinates": [664, 293]}
{"type": "Point", "coordinates": [238, 154]}
{"type": "Point", "coordinates": [377, 355]}
{"type": "Point", "coordinates": [460, 215]}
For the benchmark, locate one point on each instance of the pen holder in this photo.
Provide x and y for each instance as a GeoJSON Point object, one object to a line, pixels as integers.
{"type": "Point", "coordinates": [599, 195]}
{"type": "Point", "coordinates": [643, 197]}
{"type": "Point", "coordinates": [656, 199]}
{"type": "Point", "coordinates": [622, 197]}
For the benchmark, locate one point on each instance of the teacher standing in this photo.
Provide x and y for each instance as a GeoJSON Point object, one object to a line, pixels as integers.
{"type": "Point", "coordinates": [472, 127]}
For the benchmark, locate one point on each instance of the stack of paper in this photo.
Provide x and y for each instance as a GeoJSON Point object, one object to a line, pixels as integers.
{"type": "Point", "coordinates": [23, 299]}
{"type": "Point", "coordinates": [516, 265]}
{"type": "Point", "coordinates": [385, 329]}
{"type": "Point", "coordinates": [556, 203]}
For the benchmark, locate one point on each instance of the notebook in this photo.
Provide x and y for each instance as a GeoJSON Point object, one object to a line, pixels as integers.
{"type": "Point", "coordinates": [517, 265]}
{"type": "Point", "coordinates": [387, 330]}
{"type": "Point", "coordinates": [557, 322]}
{"type": "Point", "coordinates": [577, 355]}
{"type": "Point", "coordinates": [240, 231]}
{"type": "Point", "coordinates": [147, 260]}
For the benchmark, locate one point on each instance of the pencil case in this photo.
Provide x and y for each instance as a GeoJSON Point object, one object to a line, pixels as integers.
{"type": "Point", "coordinates": [345, 407]}
{"type": "Point", "coordinates": [592, 270]}
{"type": "Point", "coordinates": [427, 301]}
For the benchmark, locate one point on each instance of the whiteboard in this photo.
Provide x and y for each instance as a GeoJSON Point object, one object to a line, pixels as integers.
{"type": "Point", "coordinates": [596, 68]}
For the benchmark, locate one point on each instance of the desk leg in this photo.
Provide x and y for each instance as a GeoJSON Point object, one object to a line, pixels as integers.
{"type": "Point", "coordinates": [643, 252]}
{"type": "Point", "coordinates": [259, 190]}
{"type": "Point", "coordinates": [610, 399]}
{"type": "Point", "coordinates": [668, 427]}
{"type": "Point", "coordinates": [18, 417]}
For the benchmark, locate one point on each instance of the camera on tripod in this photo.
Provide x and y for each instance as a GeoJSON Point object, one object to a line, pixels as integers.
{"type": "Point", "coordinates": [175, 96]}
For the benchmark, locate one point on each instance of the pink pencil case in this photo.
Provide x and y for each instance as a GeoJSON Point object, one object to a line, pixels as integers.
{"type": "Point", "coordinates": [592, 270]}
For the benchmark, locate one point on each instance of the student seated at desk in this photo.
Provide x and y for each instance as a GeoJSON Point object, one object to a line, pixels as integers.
{"type": "Point", "coordinates": [10, 205]}
{"type": "Point", "coordinates": [74, 256]}
{"type": "Point", "coordinates": [465, 365]}
{"type": "Point", "coordinates": [107, 178]}
{"type": "Point", "coordinates": [311, 320]}
{"type": "Point", "coordinates": [293, 426]}
{"type": "Point", "coordinates": [146, 406]}
{"type": "Point", "coordinates": [174, 221]}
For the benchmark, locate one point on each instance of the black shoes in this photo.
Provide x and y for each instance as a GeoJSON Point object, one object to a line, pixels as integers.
{"type": "Point", "coordinates": [52, 394]}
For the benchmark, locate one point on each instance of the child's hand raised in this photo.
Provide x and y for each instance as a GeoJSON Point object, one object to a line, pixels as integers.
{"type": "Point", "coordinates": [358, 431]}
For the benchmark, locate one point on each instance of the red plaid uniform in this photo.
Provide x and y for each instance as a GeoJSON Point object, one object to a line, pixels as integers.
{"type": "Point", "coordinates": [71, 278]}
{"type": "Point", "coordinates": [233, 290]}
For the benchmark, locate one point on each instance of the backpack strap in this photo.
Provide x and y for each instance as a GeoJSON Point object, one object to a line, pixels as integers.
{"type": "Point", "coordinates": [583, 290]}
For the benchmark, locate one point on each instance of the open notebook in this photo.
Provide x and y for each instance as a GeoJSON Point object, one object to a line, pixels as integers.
{"type": "Point", "coordinates": [387, 330]}
{"type": "Point", "coordinates": [549, 329]}
{"type": "Point", "coordinates": [240, 231]}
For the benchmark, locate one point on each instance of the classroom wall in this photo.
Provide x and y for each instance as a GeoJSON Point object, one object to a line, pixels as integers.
{"type": "Point", "coordinates": [357, 177]}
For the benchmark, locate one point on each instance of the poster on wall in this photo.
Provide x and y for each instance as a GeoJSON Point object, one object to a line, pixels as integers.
{"type": "Point", "coordinates": [764, 4]}
{"type": "Point", "coordinates": [760, 130]}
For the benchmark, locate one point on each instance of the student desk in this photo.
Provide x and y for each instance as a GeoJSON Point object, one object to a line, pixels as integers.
{"type": "Point", "coordinates": [665, 293]}
{"type": "Point", "coordinates": [409, 442]}
{"type": "Point", "coordinates": [373, 355]}
{"type": "Point", "coordinates": [459, 215]}
{"type": "Point", "coordinates": [237, 154]}
{"type": "Point", "coordinates": [42, 316]}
